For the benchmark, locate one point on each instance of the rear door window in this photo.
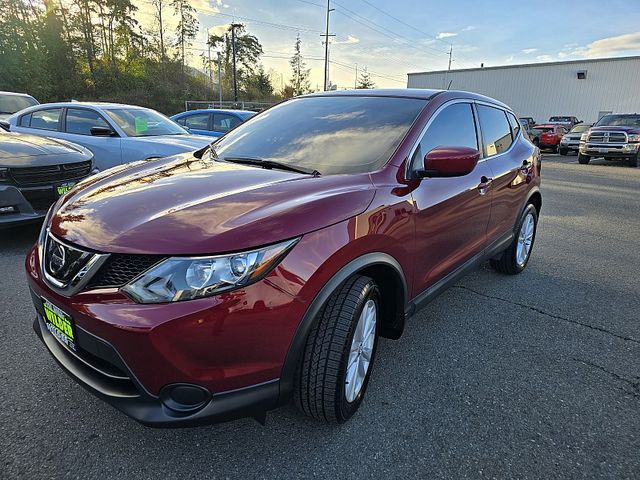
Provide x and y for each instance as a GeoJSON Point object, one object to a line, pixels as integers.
{"type": "Point", "coordinates": [496, 131]}
{"type": "Point", "coordinates": [46, 119]}
{"type": "Point", "coordinates": [81, 120]}
{"type": "Point", "coordinates": [198, 121]}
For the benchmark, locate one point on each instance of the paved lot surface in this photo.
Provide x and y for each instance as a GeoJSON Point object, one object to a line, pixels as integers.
{"type": "Point", "coordinates": [534, 376]}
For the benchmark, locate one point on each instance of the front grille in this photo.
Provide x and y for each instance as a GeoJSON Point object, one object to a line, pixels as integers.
{"type": "Point", "coordinates": [50, 174]}
{"type": "Point", "coordinates": [40, 199]}
{"type": "Point", "coordinates": [120, 269]}
{"type": "Point", "coordinates": [608, 137]}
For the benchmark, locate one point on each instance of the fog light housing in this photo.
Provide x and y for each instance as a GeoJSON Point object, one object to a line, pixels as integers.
{"type": "Point", "coordinates": [10, 209]}
{"type": "Point", "coordinates": [184, 398]}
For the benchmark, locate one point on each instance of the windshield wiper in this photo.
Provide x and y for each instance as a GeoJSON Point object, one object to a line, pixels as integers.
{"type": "Point", "coordinates": [270, 164]}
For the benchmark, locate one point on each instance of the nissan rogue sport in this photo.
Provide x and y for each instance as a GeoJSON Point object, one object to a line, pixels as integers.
{"type": "Point", "coordinates": [223, 283]}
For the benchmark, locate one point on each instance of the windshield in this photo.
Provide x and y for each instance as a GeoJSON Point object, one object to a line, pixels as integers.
{"type": "Point", "coordinates": [560, 119]}
{"type": "Point", "coordinates": [332, 134]}
{"type": "Point", "coordinates": [14, 103]}
{"type": "Point", "coordinates": [580, 128]}
{"type": "Point", "coordinates": [142, 122]}
{"type": "Point", "coordinates": [619, 120]}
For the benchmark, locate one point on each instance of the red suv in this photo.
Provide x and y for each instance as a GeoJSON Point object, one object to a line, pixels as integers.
{"type": "Point", "coordinates": [549, 135]}
{"type": "Point", "coordinates": [222, 283]}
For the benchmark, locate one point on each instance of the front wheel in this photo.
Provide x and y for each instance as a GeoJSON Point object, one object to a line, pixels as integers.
{"type": "Point", "coordinates": [515, 258]}
{"type": "Point", "coordinates": [634, 161]}
{"type": "Point", "coordinates": [583, 159]}
{"type": "Point", "coordinates": [563, 151]}
{"type": "Point", "coordinates": [336, 364]}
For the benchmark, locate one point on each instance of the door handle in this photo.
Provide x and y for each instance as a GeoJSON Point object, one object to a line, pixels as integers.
{"type": "Point", "coordinates": [485, 183]}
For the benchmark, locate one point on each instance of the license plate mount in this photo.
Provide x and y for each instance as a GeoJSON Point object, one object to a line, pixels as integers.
{"type": "Point", "coordinates": [60, 324]}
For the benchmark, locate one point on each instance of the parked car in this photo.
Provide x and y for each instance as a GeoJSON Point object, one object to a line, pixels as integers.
{"type": "Point", "coordinates": [527, 122]}
{"type": "Point", "coordinates": [115, 133]}
{"type": "Point", "coordinates": [222, 283]}
{"type": "Point", "coordinates": [35, 172]}
{"type": "Point", "coordinates": [548, 135]}
{"type": "Point", "coordinates": [570, 141]}
{"type": "Point", "coordinates": [212, 122]}
{"type": "Point", "coordinates": [565, 121]}
{"type": "Point", "coordinates": [11, 102]}
{"type": "Point", "coordinates": [613, 136]}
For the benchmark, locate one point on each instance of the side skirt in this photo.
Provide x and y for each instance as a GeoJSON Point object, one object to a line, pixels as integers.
{"type": "Point", "coordinates": [423, 298]}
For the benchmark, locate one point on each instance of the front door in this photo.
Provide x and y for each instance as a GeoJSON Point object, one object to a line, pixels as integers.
{"type": "Point", "coordinates": [452, 213]}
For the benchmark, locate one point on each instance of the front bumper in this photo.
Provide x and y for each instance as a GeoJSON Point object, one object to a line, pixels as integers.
{"type": "Point", "coordinates": [573, 145]}
{"type": "Point", "coordinates": [128, 396]}
{"type": "Point", "coordinates": [610, 150]}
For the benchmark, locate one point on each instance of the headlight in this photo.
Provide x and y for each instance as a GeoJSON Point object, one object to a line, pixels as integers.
{"type": "Point", "coordinates": [634, 137]}
{"type": "Point", "coordinates": [584, 136]}
{"type": "Point", "coordinates": [186, 278]}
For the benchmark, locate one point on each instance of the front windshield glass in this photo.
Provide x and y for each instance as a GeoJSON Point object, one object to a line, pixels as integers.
{"type": "Point", "coordinates": [619, 121]}
{"type": "Point", "coordinates": [333, 134]}
{"type": "Point", "coordinates": [142, 122]}
{"type": "Point", "coordinates": [580, 128]}
{"type": "Point", "coordinates": [14, 103]}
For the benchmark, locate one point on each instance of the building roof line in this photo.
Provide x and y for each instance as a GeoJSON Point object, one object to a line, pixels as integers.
{"type": "Point", "coordinates": [541, 64]}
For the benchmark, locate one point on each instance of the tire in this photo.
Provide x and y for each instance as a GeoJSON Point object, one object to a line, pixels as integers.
{"type": "Point", "coordinates": [563, 151]}
{"type": "Point", "coordinates": [583, 159]}
{"type": "Point", "coordinates": [554, 148]}
{"type": "Point", "coordinates": [633, 161]}
{"type": "Point", "coordinates": [509, 262]}
{"type": "Point", "coordinates": [321, 389]}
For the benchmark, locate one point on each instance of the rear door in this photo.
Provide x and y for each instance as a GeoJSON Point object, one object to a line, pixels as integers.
{"type": "Point", "coordinates": [452, 213]}
{"type": "Point", "coordinates": [78, 123]}
{"type": "Point", "coordinates": [509, 161]}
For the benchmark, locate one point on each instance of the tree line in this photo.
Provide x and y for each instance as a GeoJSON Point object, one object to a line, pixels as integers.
{"type": "Point", "coordinates": [97, 50]}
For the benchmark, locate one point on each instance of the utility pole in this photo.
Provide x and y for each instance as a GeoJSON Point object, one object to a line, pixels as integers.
{"type": "Point", "coordinates": [355, 82]}
{"type": "Point", "coordinates": [220, 78]}
{"type": "Point", "coordinates": [326, 46]}
{"type": "Point", "coordinates": [450, 53]}
{"type": "Point", "coordinates": [233, 54]}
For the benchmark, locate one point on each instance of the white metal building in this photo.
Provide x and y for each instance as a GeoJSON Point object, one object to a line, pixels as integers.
{"type": "Point", "coordinates": [586, 89]}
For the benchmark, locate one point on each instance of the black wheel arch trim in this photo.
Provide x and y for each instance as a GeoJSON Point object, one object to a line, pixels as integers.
{"type": "Point", "coordinates": [292, 359]}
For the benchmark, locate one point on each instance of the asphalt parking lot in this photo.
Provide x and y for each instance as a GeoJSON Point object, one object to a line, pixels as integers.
{"type": "Point", "coordinates": [533, 376]}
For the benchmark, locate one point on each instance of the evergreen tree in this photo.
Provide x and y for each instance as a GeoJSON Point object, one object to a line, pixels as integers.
{"type": "Point", "coordinates": [365, 80]}
{"type": "Point", "coordinates": [300, 73]}
{"type": "Point", "coordinates": [187, 27]}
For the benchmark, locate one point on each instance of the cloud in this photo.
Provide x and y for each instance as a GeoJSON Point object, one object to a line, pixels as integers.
{"type": "Point", "coordinates": [509, 59]}
{"type": "Point", "coordinates": [529, 51]}
{"type": "Point", "coordinates": [606, 47]}
{"type": "Point", "coordinates": [545, 58]}
{"type": "Point", "coordinates": [351, 39]}
{"type": "Point", "coordinates": [468, 28]}
{"type": "Point", "coordinates": [442, 35]}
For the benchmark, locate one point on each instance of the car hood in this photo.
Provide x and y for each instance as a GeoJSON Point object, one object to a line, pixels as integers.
{"type": "Point", "coordinates": [20, 150]}
{"type": "Point", "coordinates": [186, 142]}
{"type": "Point", "coordinates": [183, 205]}
{"type": "Point", "coordinates": [616, 128]}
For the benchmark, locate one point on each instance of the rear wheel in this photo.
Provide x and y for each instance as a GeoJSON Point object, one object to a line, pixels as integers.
{"type": "Point", "coordinates": [515, 258]}
{"type": "Point", "coordinates": [583, 159]}
{"type": "Point", "coordinates": [336, 364]}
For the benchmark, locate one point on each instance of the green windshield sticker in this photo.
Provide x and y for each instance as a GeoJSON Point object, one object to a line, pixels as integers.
{"type": "Point", "coordinates": [141, 125]}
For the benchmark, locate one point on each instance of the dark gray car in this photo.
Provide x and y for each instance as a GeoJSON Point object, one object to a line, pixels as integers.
{"type": "Point", "coordinates": [35, 172]}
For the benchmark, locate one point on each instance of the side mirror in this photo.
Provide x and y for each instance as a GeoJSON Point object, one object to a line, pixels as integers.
{"type": "Point", "coordinates": [5, 125]}
{"type": "Point", "coordinates": [449, 162]}
{"type": "Point", "coordinates": [102, 132]}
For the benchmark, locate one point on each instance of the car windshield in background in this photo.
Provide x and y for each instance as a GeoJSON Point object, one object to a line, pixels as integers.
{"type": "Point", "coordinates": [619, 121]}
{"type": "Point", "coordinates": [580, 128]}
{"type": "Point", "coordinates": [140, 122]}
{"type": "Point", "coordinates": [333, 135]}
{"type": "Point", "coordinates": [560, 119]}
{"type": "Point", "coordinates": [14, 103]}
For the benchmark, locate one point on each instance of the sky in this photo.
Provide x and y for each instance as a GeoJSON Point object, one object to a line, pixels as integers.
{"type": "Point", "coordinates": [393, 38]}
